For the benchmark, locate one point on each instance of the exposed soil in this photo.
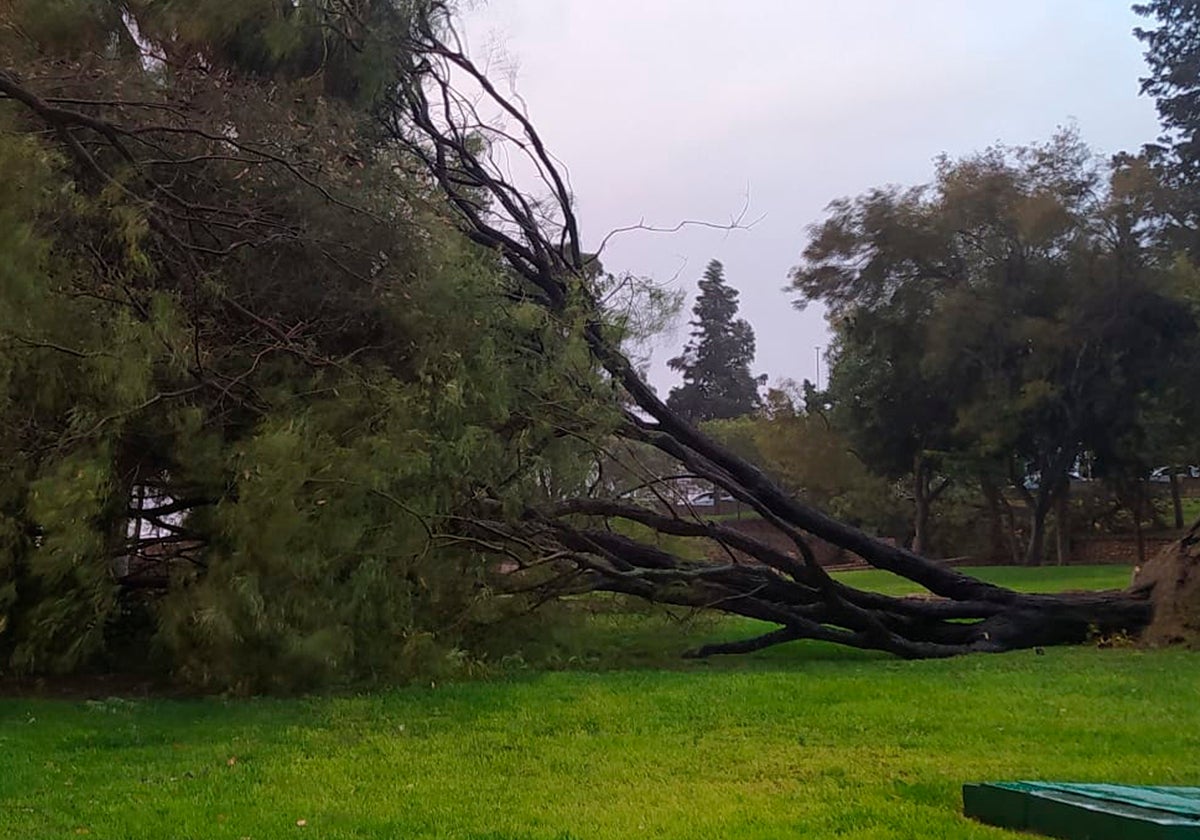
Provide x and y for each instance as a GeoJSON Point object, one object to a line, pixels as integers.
{"type": "Point", "coordinates": [1173, 577]}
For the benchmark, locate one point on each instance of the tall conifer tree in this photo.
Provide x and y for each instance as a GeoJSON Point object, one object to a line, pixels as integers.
{"type": "Point", "coordinates": [717, 383]}
{"type": "Point", "coordinates": [1173, 57]}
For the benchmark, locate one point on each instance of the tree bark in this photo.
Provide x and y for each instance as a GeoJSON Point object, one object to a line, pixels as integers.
{"type": "Point", "coordinates": [1062, 526]}
{"type": "Point", "coordinates": [921, 500]}
{"type": "Point", "coordinates": [1035, 549]}
{"type": "Point", "coordinates": [1177, 500]}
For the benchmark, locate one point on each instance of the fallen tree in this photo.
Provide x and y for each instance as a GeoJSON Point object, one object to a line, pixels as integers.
{"type": "Point", "coordinates": [436, 116]}
{"type": "Point", "coordinates": [598, 539]}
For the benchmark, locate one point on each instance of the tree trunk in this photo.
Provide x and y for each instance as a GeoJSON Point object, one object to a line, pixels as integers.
{"type": "Point", "coordinates": [921, 493]}
{"type": "Point", "coordinates": [1136, 509]}
{"type": "Point", "coordinates": [999, 530]}
{"type": "Point", "coordinates": [1009, 520]}
{"type": "Point", "coordinates": [1177, 500]}
{"type": "Point", "coordinates": [1013, 537]}
{"type": "Point", "coordinates": [1035, 550]}
{"type": "Point", "coordinates": [1062, 526]}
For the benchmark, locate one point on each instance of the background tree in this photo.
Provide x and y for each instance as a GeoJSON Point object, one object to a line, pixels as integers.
{"type": "Point", "coordinates": [802, 450]}
{"type": "Point", "coordinates": [897, 416]}
{"type": "Point", "coordinates": [1173, 56]}
{"type": "Point", "coordinates": [717, 383]}
{"type": "Point", "coordinates": [1014, 311]}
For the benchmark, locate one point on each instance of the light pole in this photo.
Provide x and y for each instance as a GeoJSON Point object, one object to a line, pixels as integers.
{"type": "Point", "coordinates": [817, 351]}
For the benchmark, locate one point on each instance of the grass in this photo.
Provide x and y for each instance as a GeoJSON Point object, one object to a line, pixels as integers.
{"type": "Point", "coordinates": [1022, 578]}
{"type": "Point", "coordinates": [1190, 505]}
{"type": "Point", "coordinates": [1191, 511]}
{"type": "Point", "coordinates": [804, 740]}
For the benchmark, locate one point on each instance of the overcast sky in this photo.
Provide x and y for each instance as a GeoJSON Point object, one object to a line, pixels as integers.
{"type": "Point", "coordinates": [666, 110]}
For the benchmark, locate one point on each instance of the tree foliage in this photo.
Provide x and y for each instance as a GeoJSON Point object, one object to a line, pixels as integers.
{"type": "Point", "coordinates": [586, 535]}
{"type": "Point", "coordinates": [1173, 57]}
{"type": "Point", "coordinates": [1015, 314]}
{"type": "Point", "coordinates": [717, 383]}
{"type": "Point", "coordinates": [802, 450]}
{"type": "Point", "coordinates": [223, 286]}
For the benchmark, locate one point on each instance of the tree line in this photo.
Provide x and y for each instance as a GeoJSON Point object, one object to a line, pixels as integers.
{"type": "Point", "coordinates": [1026, 315]}
{"type": "Point", "coordinates": [1029, 314]}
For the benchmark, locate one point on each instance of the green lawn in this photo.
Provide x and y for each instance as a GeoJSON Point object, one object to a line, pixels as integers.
{"type": "Point", "coordinates": [804, 740]}
{"type": "Point", "coordinates": [1191, 511]}
{"type": "Point", "coordinates": [1024, 578]}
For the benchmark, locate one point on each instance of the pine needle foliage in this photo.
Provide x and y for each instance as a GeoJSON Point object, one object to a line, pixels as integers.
{"type": "Point", "coordinates": [244, 306]}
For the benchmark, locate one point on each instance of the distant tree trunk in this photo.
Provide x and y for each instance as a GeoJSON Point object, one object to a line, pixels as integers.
{"type": "Point", "coordinates": [1001, 533]}
{"type": "Point", "coordinates": [1177, 500]}
{"type": "Point", "coordinates": [921, 499]}
{"type": "Point", "coordinates": [1014, 537]}
{"type": "Point", "coordinates": [1035, 550]}
{"type": "Point", "coordinates": [1011, 538]}
{"type": "Point", "coordinates": [1136, 509]}
{"type": "Point", "coordinates": [1037, 504]}
{"type": "Point", "coordinates": [925, 493]}
{"type": "Point", "coordinates": [1062, 526]}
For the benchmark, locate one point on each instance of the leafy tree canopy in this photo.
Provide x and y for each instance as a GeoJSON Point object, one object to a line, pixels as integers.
{"type": "Point", "coordinates": [1015, 310]}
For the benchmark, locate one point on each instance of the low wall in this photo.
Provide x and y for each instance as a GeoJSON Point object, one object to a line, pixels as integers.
{"type": "Point", "coordinates": [1086, 550]}
{"type": "Point", "coordinates": [722, 507]}
{"type": "Point", "coordinates": [1115, 549]}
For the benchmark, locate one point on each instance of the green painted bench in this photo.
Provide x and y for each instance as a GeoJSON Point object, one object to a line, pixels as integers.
{"type": "Point", "coordinates": [1087, 812]}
